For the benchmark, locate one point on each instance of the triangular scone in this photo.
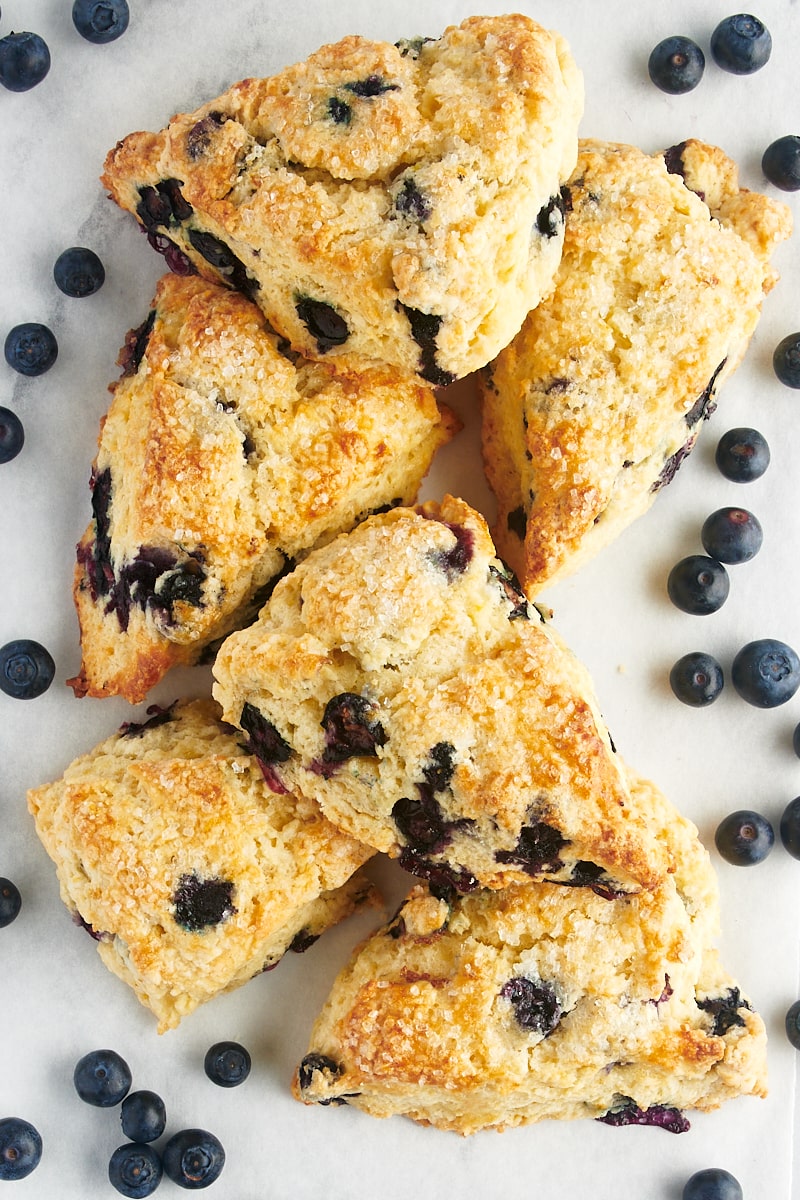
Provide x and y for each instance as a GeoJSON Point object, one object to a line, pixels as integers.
{"type": "Point", "coordinates": [590, 410]}
{"type": "Point", "coordinates": [399, 676]}
{"type": "Point", "coordinates": [190, 873]}
{"type": "Point", "coordinates": [223, 457]}
{"type": "Point", "coordinates": [397, 202]}
{"type": "Point", "coordinates": [506, 1007]}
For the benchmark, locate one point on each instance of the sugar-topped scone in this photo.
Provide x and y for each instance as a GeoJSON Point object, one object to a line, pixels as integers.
{"type": "Point", "coordinates": [400, 202]}
{"type": "Point", "coordinates": [191, 874]}
{"type": "Point", "coordinates": [399, 676]}
{"type": "Point", "coordinates": [502, 1008]}
{"type": "Point", "coordinates": [223, 457]}
{"type": "Point", "coordinates": [590, 410]}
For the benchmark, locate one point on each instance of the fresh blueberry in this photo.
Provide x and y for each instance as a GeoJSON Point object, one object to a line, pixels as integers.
{"type": "Point", "coordinates": [193, 1158]}
{"type": "Point", "coordinates": [713, 1183]}
{"type": "Point", "coordinates": [227, 1064]}
{"type": "Point", "coordinates": [780, 163]}
{"type": "Point", "coordinates": [786, 360]}
{"type": "Point", "coordinates": [741, 44]}
{"type": "Point", "coordinates": [796, 740]}
{"type": "Point", "coordinates": [696, 679]}
{"type": "Point", "coordinates": [20, 1148]}
{"type": "Point", "coordinates": [676, 65]}
{"type": "Point", "coordinates": [24, 61]}
{"type": "Point", "coordinates": [732, 535]}
{"type": "Point", "coordinates": [790, 827]}
{"type": "Point", "coordinates": [26, 669]}
{"type": "Point", "coordinates": [78, 272]}
{"type": "Point", "coordinates": [744, 838]}
{"type": "Point", "coordinates": [100, 21]}
{"type": "Point", "coordinates": [10, 902]}
{"type": "Point", "coordinates": [102, 1078]}
{"type": "Point", "coordinates": [698, 585]}
{"type": "Point", "coordinates": [143, 1116]}
{"type": "Point", "coordinates": [742, 455]}
{"type": "Point", "coordinates": [12, 435]}
{"type": "Point", "coordinates": [766, 673]}
{"type": "Point", "coordinates": [793, 1024]}
{"type": "Point", "coordinates": [135, 1170]}
{"type": "Point", "coordinates": [31, 348]}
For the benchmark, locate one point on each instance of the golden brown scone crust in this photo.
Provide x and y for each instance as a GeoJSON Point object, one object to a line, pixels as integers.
{"type": "Point", "coordinates": [506, 1007]}
{"type": "Point", "coordinates": [399, 676]}
{"type": "Point", "coordinates": [221, 460]}
{"type": "Point", "coordinates": [189, 870]}
{"type": "Point", "coordinates": [593, 406]}
{"type": "Point", "coordinates": [397, 202]}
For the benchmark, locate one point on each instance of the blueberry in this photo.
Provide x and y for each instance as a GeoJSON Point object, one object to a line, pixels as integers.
{"type": "Point", "coordinates": [786, 360]}
{"type": "Point", "coordinates": [102, 1078]}
{"type": "Point", "coordinates": [193, 1158]}
{"type": "Point", "coordinates": [78, 272]}
{"type": "Point", "coordinates": [26, 669]}
{"type": "Point", "coordinates": [766, 673]}
{"type": "Point", "coordinates": [741, 44]}
{"type": "Point", "coordinates": [698, 585]}
{"type": "Point", "coordinates": [744, 838]}
{"type": "Point", "coordinates": [20, 1148]}
{"type": "Point", "coordinates": [696, 679]}
{"type": "Point", "coordinates": [12, 435]}
{"type": "Point", "coordinates": [793, 1024]}
{"type": "Point", "coordinates": [780, 163]}
{"type": "Point", "coordinates": [135, 1170]}
{"type": "Point", "coordinates": [676, 65]}
{"type": "Point", "coordinates": [742, 455]}
{"type": "Point", "coordinates": [31, 348]}
{"type": "Point", "coordinates": [227, 1064]}
{"type": "Point", "coordinates": [713, 1183]}
{"type": "Point", "coordinates": [200, 903]}
{"type": "Point", "coordinates": [100, 21]}
{"type": "Point", "coordinates": [351, 729]}
{"type": "Point", "coordinates": [535, 1004]}
{"type": "Point", "coordinates": [732, 535]}
{"type": "Point", "coordinates": [327, 326]}
{"type": "Point", "coordinates": [10, 902]}
{"type": "Point", "coordinates": [724, 1011]}
{"type": "Point", "coordinates": [790, 827]}
{"type": "Point", "coordinates": [24, 61]}
{"type": "Point", "coordinates": [143, 1116]}
{"type": "Point", "coordinates": [796, 740]}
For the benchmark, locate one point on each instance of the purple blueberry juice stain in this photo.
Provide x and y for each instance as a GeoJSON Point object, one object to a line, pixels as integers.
{"type": "Point", "coordinates": [157, 715]}
{"type": "Point", "coordinates": [660, 1116]}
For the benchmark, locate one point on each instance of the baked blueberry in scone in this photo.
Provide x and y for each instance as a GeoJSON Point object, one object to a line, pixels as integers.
{"type": "Point", "coordinates": [190, 873]}
{"type": "Point", "coordinates": [591, 409]}
{"type": "Point", "coordinates": [400, 202]}
{"type": "Point", "coordinates": [537, 1002]}
{"type": "Point", "coordinates": [223, 457]}
{"type": "Point", "coordinates": [399, 676]}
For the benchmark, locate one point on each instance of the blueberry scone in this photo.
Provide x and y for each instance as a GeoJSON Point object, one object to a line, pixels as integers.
{"type": "Point", "coordinates": [191, 874]}
{"type": "Point", "coordinates": [400, 202]}
{"type": "Point", "coordinates": [399, 676]}
{"type": "Point", "coordinates": [590, 410]}
{"type": "Point", "coordinates": [223, 457]}
{"type": "Point", "coordinates": [502, 1008]}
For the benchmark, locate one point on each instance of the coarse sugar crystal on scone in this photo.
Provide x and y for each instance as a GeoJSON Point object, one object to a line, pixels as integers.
{"type": "Point", "coordinates": [591, 409]}
{"type": "Point", "coordinates": [400, 202]}
{"type": "Point", "coordinates": [224, 457]}
{"type": "Point", "coordinates": [399, 676]}
{"type": "Point", "coordinates": [188, 871]}
{"type": "Point", "coordinates": [537, 1002]}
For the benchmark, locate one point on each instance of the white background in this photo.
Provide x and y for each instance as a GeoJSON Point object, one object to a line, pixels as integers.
{"type": "Point", "coordinates": [56, 999]}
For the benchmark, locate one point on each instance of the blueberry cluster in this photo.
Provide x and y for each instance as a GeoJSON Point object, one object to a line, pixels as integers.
{"type": "Point", "coordinates": [191, 1158]}
{"type": "Point", "coordinates": [25, 57]}
{"type": "Point", "coordinates": [740, 44]}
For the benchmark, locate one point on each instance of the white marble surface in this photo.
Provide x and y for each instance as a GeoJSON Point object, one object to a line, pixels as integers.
{"type": "Point", "coordinates": [56, 999]}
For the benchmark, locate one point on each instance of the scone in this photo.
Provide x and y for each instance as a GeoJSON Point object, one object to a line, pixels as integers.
{"type": "Point", "coordinates": [399, 676]}
{"type": "Point", "coordinates": [222, 458]}
{"type": "Point", "coordinates": [401, 203]}
{"type": "Point", "coordinates": [504, 1008]}
{"type": "Point", "coordinates": [191, 874]}
{"type": "Point", "coordinates": [593, 406]}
